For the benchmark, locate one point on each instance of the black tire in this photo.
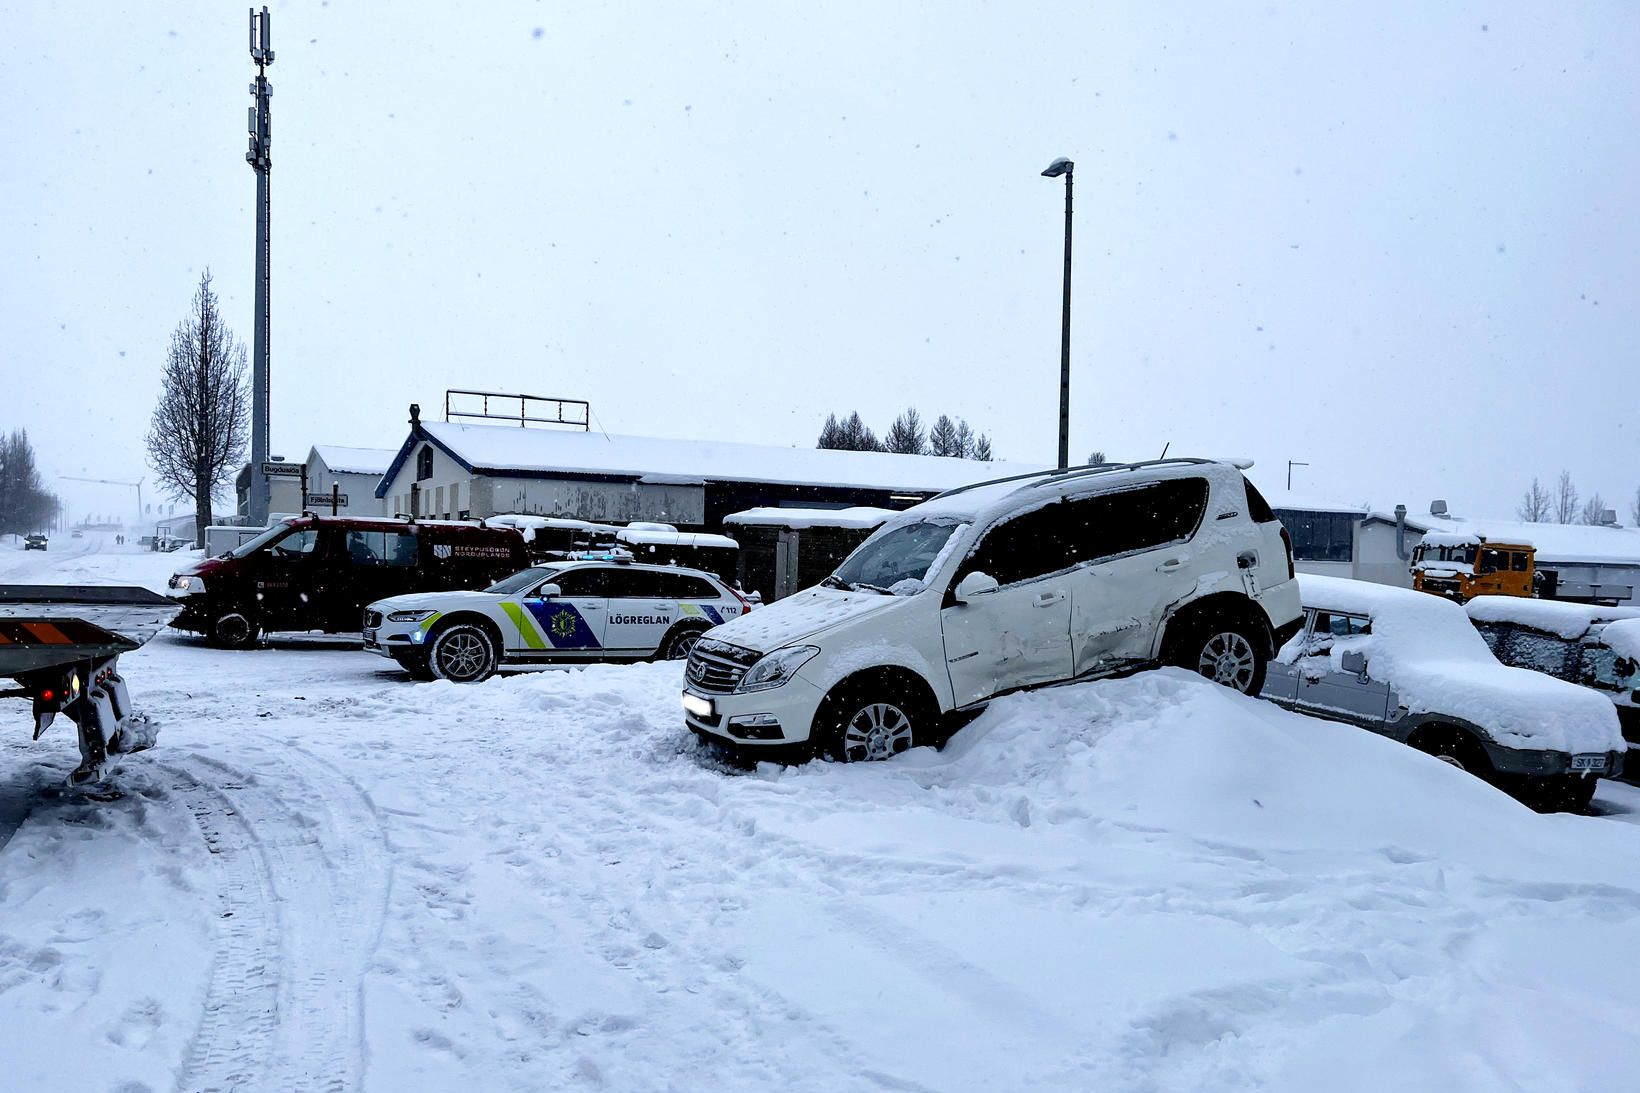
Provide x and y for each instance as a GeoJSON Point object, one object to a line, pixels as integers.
{"type": "Point", "coordinates": [677, 644]}
{"type": "Point", "coordinates": [416, 664]}
{"type": "Point", "coordinates": [463, 653]}
{"type": "Point", "coordinates": [1226, 650]}
{"type": "Point", "coordinates": [1455, 748]}
{"type": "Point", "coordinates": [869, 724]}
{"type": "Point", "coordinates": [234, 630]}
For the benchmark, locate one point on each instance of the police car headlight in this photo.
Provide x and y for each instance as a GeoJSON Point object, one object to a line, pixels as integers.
{"type": "Point", "coordinates": [777, 668]}
{"type": "Point", "coordinates": [410, 616]}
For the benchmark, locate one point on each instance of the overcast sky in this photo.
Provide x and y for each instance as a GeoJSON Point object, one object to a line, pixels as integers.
{"type": "Point", "coordinates": [1396, 242]}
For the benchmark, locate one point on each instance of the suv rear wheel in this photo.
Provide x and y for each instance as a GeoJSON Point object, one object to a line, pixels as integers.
{"type": "Point", "coordinates": [463, 653]}
{"type": "Point", "coordinates": [1225, 650]}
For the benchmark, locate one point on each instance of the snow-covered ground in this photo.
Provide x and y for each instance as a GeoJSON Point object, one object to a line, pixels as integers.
{"type": "Point", "coordinates": [326, 876]}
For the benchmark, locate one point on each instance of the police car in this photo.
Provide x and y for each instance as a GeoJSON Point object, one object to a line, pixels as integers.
{"type": "Point", "coordinates": [605, 608]}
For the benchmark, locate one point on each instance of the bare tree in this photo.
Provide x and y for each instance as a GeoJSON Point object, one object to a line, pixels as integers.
{"type": "Point", "coordinates": [1534, 506]}
{"type": "Point", "coordinates": [1594, 509]}
{"type": "Point", "coordinates": [201, 425]}
{"type": "Point", "coordinates": [1634, 508]}
{"type": "Point", "coordinates": [905, 436]}
{"type": "Point", "coordinates": [1565, 499]}
{"type": "Point", "coordinates": [1096, 457]}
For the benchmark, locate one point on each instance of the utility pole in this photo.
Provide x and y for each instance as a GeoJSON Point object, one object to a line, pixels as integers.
{"type": "Point", "coordinates": [260, 157]}
{"type": "Point", "coordinates": [1291, 463]}
{"type": "Point", "coordinates": [1063, 166]}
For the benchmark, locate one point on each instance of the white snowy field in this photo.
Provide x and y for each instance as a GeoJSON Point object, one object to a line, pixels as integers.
{"type": "Point", "coordinates": [326, 876]}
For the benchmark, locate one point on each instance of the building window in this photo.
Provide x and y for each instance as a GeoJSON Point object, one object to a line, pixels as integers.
{"type": "Point", "coordinates": [424, 463]}
{"type": "Point", "coordinates": [1319, 536]}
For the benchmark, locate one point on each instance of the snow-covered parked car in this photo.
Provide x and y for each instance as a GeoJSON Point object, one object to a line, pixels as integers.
{"type": "Point", "coordinates": [1410, 666]}
{"type": "Point", "coordinates": [1592, 646]}
{"type": "Point", "coordinates": [1020, 582]}
{"type": "Point", "coordinates": [567, 612]}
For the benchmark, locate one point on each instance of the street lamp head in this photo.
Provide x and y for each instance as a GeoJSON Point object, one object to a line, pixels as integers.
{"type": "Point", "coordinates": [1060, 166]}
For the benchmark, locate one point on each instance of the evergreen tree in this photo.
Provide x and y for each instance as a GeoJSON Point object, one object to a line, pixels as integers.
{"type": "Point", "coordinates": [905, 436]}
{"type": "Point", "coordinates": [982, 449]}
{"type": "Point", "coordinates": [831, 433]}
{"type": "Point", "coordinates": [965, 440]}
{"type": "Point", "coordinates": [942, 438]}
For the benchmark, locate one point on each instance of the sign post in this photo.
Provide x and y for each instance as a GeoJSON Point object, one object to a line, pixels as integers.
{"type": "Point", "coordinates": [335, 499]}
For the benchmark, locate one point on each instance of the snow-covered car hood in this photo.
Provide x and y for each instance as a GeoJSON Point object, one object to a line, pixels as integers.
{"type": "Point", "coordinates": [436, 601]}
{"type": "Point", "coordinates": [797, 618]}
{"type": "Point", "coordinates": [1424, 647]}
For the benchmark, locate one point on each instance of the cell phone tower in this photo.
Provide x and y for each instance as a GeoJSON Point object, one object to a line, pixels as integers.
{"type": "Point", "coordinates": [260, 157]}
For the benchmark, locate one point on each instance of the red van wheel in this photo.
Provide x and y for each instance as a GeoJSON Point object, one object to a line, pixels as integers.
{"type": "Point", "coordinates": [234, 630]}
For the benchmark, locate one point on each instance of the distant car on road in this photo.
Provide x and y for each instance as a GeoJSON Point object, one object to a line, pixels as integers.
{"type": "Point", "coordinates": [1410, 666]}
{"type": "Point", "coordinates": [1591, 646]}
{"type": "Point", "coordinates": [568, 612]}
{"type": "Point", "coordinates": [34, 542]}
{"type": "Point", "coordinates": [76, 534]}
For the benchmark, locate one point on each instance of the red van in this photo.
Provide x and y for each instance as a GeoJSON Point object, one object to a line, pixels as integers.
{"type": "Point", "coordinates": [318, 572]}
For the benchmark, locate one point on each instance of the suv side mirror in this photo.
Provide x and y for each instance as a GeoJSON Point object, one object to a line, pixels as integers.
{"type": "Point", "coordinates": [1355, 662]}
{"type": "Point", "coordinates": [975, 584]}
{"type": "Point", "coordinates": [548, 591]}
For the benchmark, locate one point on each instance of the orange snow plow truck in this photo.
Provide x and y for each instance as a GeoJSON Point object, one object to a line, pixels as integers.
{"type": "Point", "coordinates": [1462, 566]}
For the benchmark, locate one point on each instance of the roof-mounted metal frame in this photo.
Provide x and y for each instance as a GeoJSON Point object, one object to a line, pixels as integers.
{"type": "Point", "coordinates": [565, 411]}
{"type": "Point", "coordinates": [1046, 478]}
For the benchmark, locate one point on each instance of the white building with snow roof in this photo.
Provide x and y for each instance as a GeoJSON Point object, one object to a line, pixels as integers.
{"type": "Point", "coordinates": [353, 472]}
{"type": "Point", "coordinates": [458, 469]}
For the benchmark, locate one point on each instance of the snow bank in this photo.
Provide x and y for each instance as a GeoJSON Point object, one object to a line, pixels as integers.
{"type": "Point", "coordinates": [1426, 649]}
{"type": "Point", "coordinates": [1568, 620]}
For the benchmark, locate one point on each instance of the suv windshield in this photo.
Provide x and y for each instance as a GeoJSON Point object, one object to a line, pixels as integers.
{"type": "Point", "coordinates": [906, 553]}
{"type": "Point", "coordinates": [524, 578]}
{"type": "Point", "coordinates": [251, 546]}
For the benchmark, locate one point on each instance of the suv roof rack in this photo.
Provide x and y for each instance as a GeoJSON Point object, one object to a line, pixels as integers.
{"type": "Point", "coordinates": [1048, 477]}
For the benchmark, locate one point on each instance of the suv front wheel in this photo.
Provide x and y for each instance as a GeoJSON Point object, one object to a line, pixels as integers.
{"type": "Point", "coordinates": [868, 724]}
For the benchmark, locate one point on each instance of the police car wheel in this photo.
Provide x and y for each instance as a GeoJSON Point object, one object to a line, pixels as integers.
{"type": "Point", "coordinates": [462, 653]}
{"type": "Point", "coordinates": [678, 645]}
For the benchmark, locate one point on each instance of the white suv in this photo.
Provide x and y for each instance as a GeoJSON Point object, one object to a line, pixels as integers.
{"type": "Point", "coordinates": [1031, 580]}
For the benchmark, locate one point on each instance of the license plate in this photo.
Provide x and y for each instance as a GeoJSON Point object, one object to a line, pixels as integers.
{"type": "Point", "coordinates": [1588, 762]}
{"type": "Point", "coordinates": [700, 707]}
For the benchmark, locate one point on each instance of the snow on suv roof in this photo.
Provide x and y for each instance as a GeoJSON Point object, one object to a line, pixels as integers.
{"type": "Point", "coordinates": [1425, 648]}
{"type": "Point", "coordinates": [1567, 620]}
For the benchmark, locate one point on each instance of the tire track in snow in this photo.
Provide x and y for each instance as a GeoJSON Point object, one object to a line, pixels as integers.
{"type": "Point", "coordinates": [303, 885]}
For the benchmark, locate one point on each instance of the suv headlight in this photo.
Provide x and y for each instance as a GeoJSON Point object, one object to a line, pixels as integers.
{"type": "Point", "coordinates": [410, 616]}
{"type": "Point", "coordinates": [777, 668]}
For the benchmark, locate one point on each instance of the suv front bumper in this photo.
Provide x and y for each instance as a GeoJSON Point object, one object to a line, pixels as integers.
{"type": "Point", "coordinates": [779, 716]}
{"type": "Point", "coordinates": [1548, 764]}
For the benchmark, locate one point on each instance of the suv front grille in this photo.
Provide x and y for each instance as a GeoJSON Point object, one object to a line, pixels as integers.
{"type": "Point", "coordinates": [717, 666]}
{"type": "Point", "coordinates": [372, 619]}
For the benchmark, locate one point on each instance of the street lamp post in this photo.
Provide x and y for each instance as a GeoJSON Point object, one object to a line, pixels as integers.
{"type": "Point", "coordinates": [1063, 166]}
{"type": "Point", "coordinates": [1291, 463]}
